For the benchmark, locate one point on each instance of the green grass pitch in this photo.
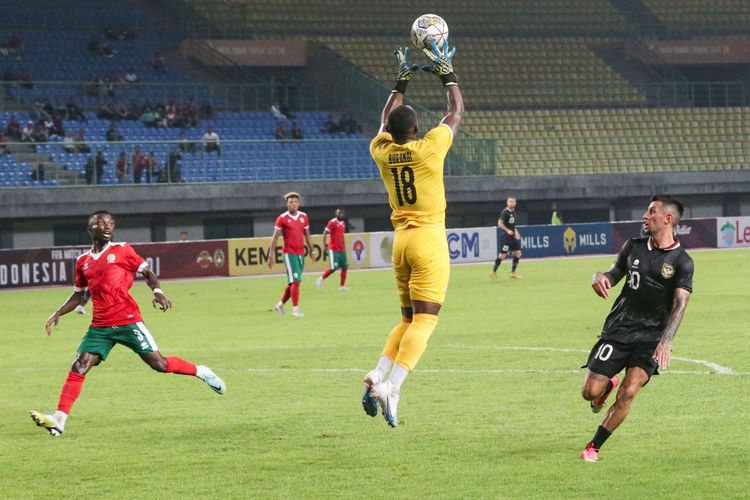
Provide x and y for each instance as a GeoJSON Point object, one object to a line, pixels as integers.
{"type": "Point", "coordinates": [484, 415]}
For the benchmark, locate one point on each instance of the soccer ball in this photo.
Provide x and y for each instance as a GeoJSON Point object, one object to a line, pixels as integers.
{"type": "Point", "coordinates": [429, 28]}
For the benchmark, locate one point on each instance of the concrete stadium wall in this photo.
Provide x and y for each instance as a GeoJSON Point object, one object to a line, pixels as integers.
{"type": "Point", "coordinates": [29, 217]}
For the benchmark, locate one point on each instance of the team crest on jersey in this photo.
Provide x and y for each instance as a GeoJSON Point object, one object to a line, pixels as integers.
{"type": "Point", "coordinates": [667, 270]}
{"type": "Point", "coordinates": [111, 258]}
{"type": "Point", "coordinates": [85, 266]}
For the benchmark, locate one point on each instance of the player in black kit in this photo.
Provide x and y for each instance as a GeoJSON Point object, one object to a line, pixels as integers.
{"type": "Point", "coordinates": [637, 334]}
{"type": "Point", "coordinates": [511, 239]}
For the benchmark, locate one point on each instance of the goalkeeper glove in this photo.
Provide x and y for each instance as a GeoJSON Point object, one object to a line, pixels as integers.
{"type": "Point", "coordinates": [405, 70]}
{"type": "Point", "coordinates": [442, 63]}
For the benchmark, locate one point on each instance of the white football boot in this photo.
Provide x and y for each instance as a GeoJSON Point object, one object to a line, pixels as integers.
{"type": "Point", "coordinates": [387, 397]}
{"type": "Point", "coordinates": [207, 375]}
{"type": "Point", "coordinates": [49, 422]}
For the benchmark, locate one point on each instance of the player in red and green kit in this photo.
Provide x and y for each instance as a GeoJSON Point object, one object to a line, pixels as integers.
{"type": "Point", "coordinates": [336, 227]}
{"type": "Point", "coordinates": [106, 271]}
{"type": "Point", "coordinates": [294, 226]}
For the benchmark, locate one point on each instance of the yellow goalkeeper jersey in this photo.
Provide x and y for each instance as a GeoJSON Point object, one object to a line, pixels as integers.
{"type": "Point", "coordinates": [413, 176]}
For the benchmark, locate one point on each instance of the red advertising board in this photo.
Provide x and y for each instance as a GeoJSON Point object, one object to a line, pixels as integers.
{"type": "Point", "coordinates": [55, 266]}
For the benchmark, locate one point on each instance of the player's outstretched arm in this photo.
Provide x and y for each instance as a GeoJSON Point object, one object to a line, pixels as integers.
{"type": "Point", "coordinates": [663, 352]}
{"type": "Point", "coordinates": [73, 301]}
{"type": "Point", "coordinates": [153, 284]}
{"type": "Point", "coordinates": [442, 66]}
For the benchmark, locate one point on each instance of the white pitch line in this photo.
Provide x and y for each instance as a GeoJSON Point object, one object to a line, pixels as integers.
{"type": "Point", "coordinates": [715, 367]}
{"type": "Point", "coordinates": [488, 371]}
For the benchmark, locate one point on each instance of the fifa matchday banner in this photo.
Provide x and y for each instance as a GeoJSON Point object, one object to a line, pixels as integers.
{"type": "Point", "coordinates": [186, 259]}
{"type": "Point", "coordinates": [39, 266]}
{"type": "Point", "coordinates": [562, 240]}
{"type": "Point", "coordinates": [732, 232]}
{"type": "Point", "coordinates": [692, 233]}
{"type": "Point", "coordinates": [249, 256]}
{"type": "Point", "coordinates": [56, 266]}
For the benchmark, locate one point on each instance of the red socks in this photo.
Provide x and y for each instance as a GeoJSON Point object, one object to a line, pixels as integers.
{"type": "Point", "coordinates": [287, 294]}
{"type": "Point", "coordinates": [71, 389]}
{"type": "Point", "coordinates": [327, 273]}
{"type": "Point", "coordinates": [179, 365]}
{"type": "Point", "coordinates": [295, 293]}
{"type": "Point", "coordinates": [343, 277]}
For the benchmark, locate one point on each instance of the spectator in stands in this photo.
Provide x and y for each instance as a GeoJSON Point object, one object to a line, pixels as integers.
{"type": "Point", "coordinates": [183, 144]}
{"type": "Point", "coordinates": [348, 125]}
{"type": "Point", "coordinates": [59, 110]}
{"type": "Point", "coordinates": [183, 236]}
{"type": "Point", "coordinates": [211, 141]}
{"type": "Point", "coordinates": [57, 129]}
{"type": "Point", "coordinates": [161, 117]}
{"type": "Point", "coordinates": [131, 76]}
{"type": "Point", "coordinates": [27, 132]}
{"type": "Point", "coordinates": [137, 162]}
{"type": "Point", "coordinates": [158, 62]}
{"type": "Point", "coordinates": [126, 34]}
{"type": "Point", "coordinates": [39, 112]}
{"type": "Point", "coordinates": [105, 111]}
{"type": "Point", "coordinates": [297, 132]}
{"type": "Point", "coordinates": [69, 144]}
{"type": "Point", "coordinates": [80, 140]}
{"type": "Point", "coordinates": [133, 112]}
{"type": "Point", "coordinates": [13, 130]}
{"type": "Point", "coordinates": [148, 118]}
{"type": "Point", "coordinates": [74, 112]}
{"type": "Point", "coordinates": [329, 126]}
{"type": "Point", "coordinates": [96, 47]}
{"type": "Point", "coordinates": [13, 47]}
{"type": "Point", "coordinates": [109, 33]}
{"type": "Point", "coordinates": [3, 147]}
{"type": "Point", "coordinates": [112, 135]}
{"type": "Point", "coordinates": [174, 172]}
{"type": "Point", "coordinates": [120, 112]}
{"type": "Point", "coordinates": [276, 112]}
{"type": "Point", "coordinates": [122, 168]}
{"type": "Point", "coordinates": [40, 133]}
{"type": "Point", "coordinates": [95, 168]}
{"type": "Point", "coordinates": [280, 131]}
{"type": "Point", "coordinates": [150, 166]}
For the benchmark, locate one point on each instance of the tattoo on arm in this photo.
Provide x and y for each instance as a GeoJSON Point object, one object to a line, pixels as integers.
{"type": "Point", "coordinates": [681, 298]}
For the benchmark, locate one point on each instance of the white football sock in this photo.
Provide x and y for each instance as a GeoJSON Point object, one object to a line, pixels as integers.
{"type": "Point", "coordinates": [397, 377]}
{"type": "Point", "coordinates": [60, 417]}
{"type": "Point", "coordinates": [384, 365]}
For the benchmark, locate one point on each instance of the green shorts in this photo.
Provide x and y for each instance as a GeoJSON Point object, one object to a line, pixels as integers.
{"type": "Point", "coordinates": [100, 340]}
{"type": "Point", "coordinates": [337, 260]}
{"type": "Point", "coordinates": [294, 264]}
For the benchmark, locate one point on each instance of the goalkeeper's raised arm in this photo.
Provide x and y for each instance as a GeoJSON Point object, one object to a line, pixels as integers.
{"type": "Point", "coordinates": [442, 66]}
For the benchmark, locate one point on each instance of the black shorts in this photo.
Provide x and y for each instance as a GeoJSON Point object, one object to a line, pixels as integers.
{"type": "Point", "coordinates": [509, 243]}
{"type": "Point", "coordinates": [609, 358]}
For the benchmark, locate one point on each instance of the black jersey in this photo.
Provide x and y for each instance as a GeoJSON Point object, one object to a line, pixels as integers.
{"type": "Point", "coordinates": [508, 217]}
{"type": "Point", "coordinates": [642, 309]}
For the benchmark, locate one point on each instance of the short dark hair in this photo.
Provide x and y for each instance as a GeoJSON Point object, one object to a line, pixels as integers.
{"type": "Point", "coordinates": [98, 212]}
{"type": "Point", "coordinates": [401, 121]}
{"type": "Point", "coordinates": [674, 203]}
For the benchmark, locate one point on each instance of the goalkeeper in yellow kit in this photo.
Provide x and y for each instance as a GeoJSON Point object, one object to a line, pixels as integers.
{"type": "Point", "coordinates": [412, 171]}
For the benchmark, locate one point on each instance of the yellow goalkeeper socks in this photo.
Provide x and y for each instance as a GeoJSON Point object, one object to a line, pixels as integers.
{"type": "Point", "coordinates": [394, 338]}
{"type": "Point", "coordinates": [414, 341]}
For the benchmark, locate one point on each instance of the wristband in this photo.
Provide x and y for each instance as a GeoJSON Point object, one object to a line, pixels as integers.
{"type": "Point", "coordinates": [400, 86]}
{"type": "Point", "coordinates": [158, 290]}
{"type": "Point", "coordinates": [449, 79]}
